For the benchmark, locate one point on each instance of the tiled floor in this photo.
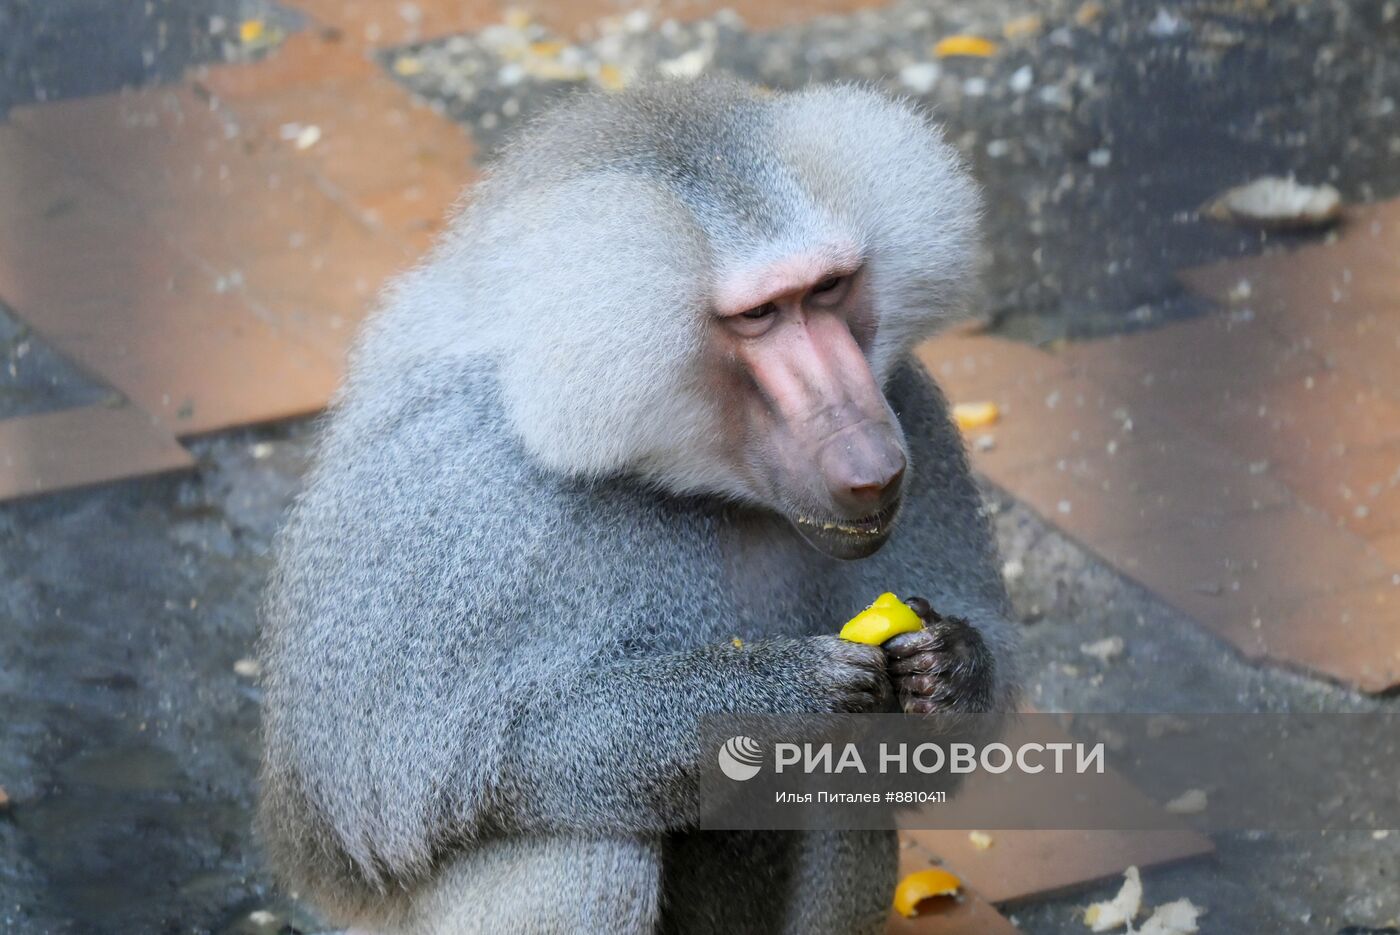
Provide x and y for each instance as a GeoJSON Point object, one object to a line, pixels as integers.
{"type": "Point", "coordinates": [207, 250]}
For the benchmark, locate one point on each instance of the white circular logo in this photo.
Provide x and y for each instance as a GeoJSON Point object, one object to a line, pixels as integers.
{"type": "Point", "coordinates": [740, 758]}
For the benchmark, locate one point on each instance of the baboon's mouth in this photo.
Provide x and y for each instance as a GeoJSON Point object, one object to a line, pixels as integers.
{"type": "Point", "coordinates": [849, 538]}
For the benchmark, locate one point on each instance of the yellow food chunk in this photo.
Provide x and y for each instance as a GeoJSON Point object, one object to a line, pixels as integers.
{"type": "Point", "coordinates": [974, 46]}
{"type": "Point", "coordinates": [1022, 27]}
{"type": "Point", "coordinates": [970, 416]}
{"type": "Point", "coordinates": [610, 78]}
{"type": "Point", "coordinates": [547, 49]}
{"type": "Point", "coordinates": [251, 30]}
{"type": "Point", "coordinates": [921, 885]}
{"type": "Point", "coordinates": [887, 617]}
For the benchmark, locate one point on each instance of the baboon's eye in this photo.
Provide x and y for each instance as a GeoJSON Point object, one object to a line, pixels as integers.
{"type": "Point", "coordinates": [761, 312]}
{"type": "Point", "coordinates": [827, 284]}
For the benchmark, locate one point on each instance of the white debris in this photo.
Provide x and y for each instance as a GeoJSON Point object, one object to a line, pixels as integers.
{"type": "Point", "coordinates": [1022, 79]}
{"type": "Point", "coordinates": [920, 77]}
{"type": "Point", "coordinates": [262, 450]}
{"type": "Point", "coordinates": [1165, 24]}
{"type": "Point", "coordinates": [247, 667]}
{"type": "Point", "coordinates": [1012, 571]}
{"type": "Point", "coordinates": [1176, 918]}
{"type": "Point", "coordinates": [1241, 291]}
{"type": "Point", "coordinates": [1277, 202]}
{"type": "Point", "coordinates": [689, 65]}
{"type": "Point", "coordinates": [975, 87]}
{"type": "Point", "coordinates": [1121, 909]}
{"type": "Point", "coordinates": [1190, 802]}
{"type": "Point", "coordinates": [1105, 650]}
{"type": "Point", "coordinates": [309, 136]}
{"type": "Point", "coordinates": [980, 840]}
{"type": "Point", "coordinates": [1100, 158]}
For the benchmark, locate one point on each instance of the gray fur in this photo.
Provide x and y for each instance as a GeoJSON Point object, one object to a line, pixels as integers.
{"type": "Point", "coordinates": [509, 591]}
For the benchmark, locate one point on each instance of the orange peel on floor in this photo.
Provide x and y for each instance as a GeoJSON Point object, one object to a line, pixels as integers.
{"type": "Point", "coordinates": [969, 416]}
{"type": "Point", "coordinates": [921, 885]}
{"type": "Point", "coordinates": [974, 46]}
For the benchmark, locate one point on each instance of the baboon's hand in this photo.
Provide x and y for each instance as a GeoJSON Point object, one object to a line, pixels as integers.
{"type": "Point", "coordinates": [848, 677]}
{"type": "Point", "coordinates": [943, 668]}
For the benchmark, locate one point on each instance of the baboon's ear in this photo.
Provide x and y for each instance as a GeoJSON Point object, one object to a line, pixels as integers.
{"type": "Point", "coordinates": [597, 369]}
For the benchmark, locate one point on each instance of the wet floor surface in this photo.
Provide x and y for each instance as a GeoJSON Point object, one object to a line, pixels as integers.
{"type": "Point", "coordinates": [128, 749]}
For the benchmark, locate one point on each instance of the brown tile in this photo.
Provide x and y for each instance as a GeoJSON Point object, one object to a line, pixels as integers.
{"type": "Point", "coordinates": [1064, 418]}
{"type": "Point", "coordinates": [968, 914]}
{"type": "Point", "coordinates": [373, 137]}
{"type": "Point", "coordinates": [1191, 365]}
{"type": "Point", "coordinates": [415, 213]}
{"type": "Point", "coordinates": [264, 213]}
{"type": "Point", "coordinates": [1026, 864]}
{"type": "Point", "coordinates": [308, 58]}
{"type": "Point", "coordinates": [120, 301]}
{"type": "Point", "coordinates": [1359, 488]}
{"type": "Point", "coordinates": [77, 447]}
{"type": "Point", "coordinates": [377, 24]}
{"type": "Point", "coordinates": [323, 289]}
{"type": "Point", "coordinates": [1388, 548]}
{"type": "Point", "coordinates": [1244, 573]}
{"type": "Point", "coordinates": [1340, 300]}
{"type": "Point", "coordinates": [86, 245]}
{"type": "Point", "coordinates": [1303, 418]}
{"type": "Point", "coordinates": [971, 367]}
{"type": "Point", "coordinates": [35, 186]}
{"type": "Point", "coordinates": [1352, 636]}
{"type": "Point", "coordinates": [152, 146]}
{"type": "Point", "coordinates": [1150, 480]}
{"type": "Point", "coordinates": [1365, 345]}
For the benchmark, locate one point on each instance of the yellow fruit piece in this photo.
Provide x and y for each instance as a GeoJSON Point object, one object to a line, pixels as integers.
{"type": "Point", "coordinates": [1022, 27]}
{"type": "Point", "coordinates": [610, 78]}
{"type": "Point", "coordinates": [547, 49]}
{"type": "Point", "coordinates": [921, 885]}
{"type": "Point", "coordinates": [974, 46]}
{"type": "Point", "coordinates": [251, 30]}
{"type": "Point", "coordinates": [971, 416]}
{"type": "Point", "coordinates": [887, 617]}
{"type": "Point", "coordinates": [1088, 13]}
{"type": "Point", "coordinates": [408, 66]}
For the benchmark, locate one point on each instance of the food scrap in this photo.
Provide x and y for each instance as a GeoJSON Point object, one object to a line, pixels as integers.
{"type": "Point", "coordinates": [971, 416]}
{"type": "Point", "coordinates": [1278, 203]}
{"type": "Point", "coordinates": [1121, 909]}
{"type": "Point", "coordinates": [1175, 918]}
{"type": "Point", "coordinates": [1190, 802]}
{"type": "Point", "coordinates": [969, 46]}
{"type": "Point", "coordinates": [980, 840]}
{"type": "Point", "coordinates": [251, 30]}
{"type": "Point", "coordinates": [922, 885]}
{"type": "Point", "coordinates": [887, 617]}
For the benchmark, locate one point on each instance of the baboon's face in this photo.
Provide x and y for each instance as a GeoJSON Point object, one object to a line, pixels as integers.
{"type": "Point", "coordinates": [818, 441]}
